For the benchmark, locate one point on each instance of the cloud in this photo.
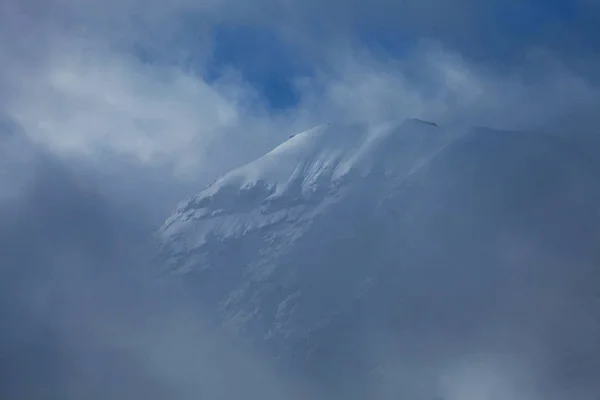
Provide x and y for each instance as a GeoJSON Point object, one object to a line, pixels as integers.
{"type": "Point", "coordinates": [97, 101]}
{"type": "Point", "coordinates": [123, 98]}
{"type": "Point", "coordinates": [101, 102]}
{"type": "Point", "coordinates": [491, 31]}
{"type": "Point", "coordinates": [83, 313]}
{"type": "Point", "coordinates": [134, 81]}
{"type": "Point", "coordinates": [436, 83]}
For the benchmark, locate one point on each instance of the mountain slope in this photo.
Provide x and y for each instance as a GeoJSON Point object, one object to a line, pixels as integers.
{"type": "Point", "coordinates": [437, 238]}
{"type": "Point", "coordinates": [306, 172]}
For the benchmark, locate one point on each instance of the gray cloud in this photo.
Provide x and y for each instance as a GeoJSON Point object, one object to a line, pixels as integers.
{"type": "Point", "coordinates": [83, 316]}
{"type": "Point", "coordinates": [133, 134]}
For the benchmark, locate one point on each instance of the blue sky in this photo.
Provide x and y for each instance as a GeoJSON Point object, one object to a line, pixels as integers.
{"type": "Point", "coordinates": [262, 59]}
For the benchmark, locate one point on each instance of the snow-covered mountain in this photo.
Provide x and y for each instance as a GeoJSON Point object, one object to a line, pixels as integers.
{"type": "Point", "coordinates": [299, 180]}
{"type": "Point", "coordinates": [344, 234]}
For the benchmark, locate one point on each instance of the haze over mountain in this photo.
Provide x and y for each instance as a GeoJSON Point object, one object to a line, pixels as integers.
{"type": "Point", "coordinates": [381, 261]}
{"type": "Point", "coordinates": [349, 249]}
{"type": "Point", "coordinates": [351, 261]}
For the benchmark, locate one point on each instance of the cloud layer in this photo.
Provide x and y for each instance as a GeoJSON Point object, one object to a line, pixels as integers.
{"type": "Point", "coordinates": [139, 80]}
{"type": "Point", "coordinates": [112, 111]}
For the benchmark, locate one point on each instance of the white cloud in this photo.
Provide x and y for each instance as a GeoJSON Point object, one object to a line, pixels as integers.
{"type": "Point", "coordinates": [90, 96]}
{"type": "Point", "coordinates": [93, 100]}
{"type": "Point", "coordinates": [436, 83]}
{"type": "Point", "coordinates": [104, 101]}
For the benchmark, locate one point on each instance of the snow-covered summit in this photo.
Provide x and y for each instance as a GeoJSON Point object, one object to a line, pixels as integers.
{"type": "Point", "coordinates": [304, 172]}
{"type": "Point", "coordinates": [326, 150]}
{"type": "Point", "coordinates": [332, 149]}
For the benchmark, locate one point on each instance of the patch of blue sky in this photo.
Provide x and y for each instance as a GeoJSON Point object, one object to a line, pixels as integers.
{"type": "Point", "coordinates": [264, 61]}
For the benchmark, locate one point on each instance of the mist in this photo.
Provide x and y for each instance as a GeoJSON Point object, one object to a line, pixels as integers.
{"type": "Point", "coordinates": [84, 315]}
{"type": "Point", "coordinates": [112, 113]}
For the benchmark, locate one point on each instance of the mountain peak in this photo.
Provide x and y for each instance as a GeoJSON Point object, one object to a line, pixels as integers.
{"type": "Point", "coordinates": [330, 149]}
{"type": "Point", "coordinates": [303, 177]}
